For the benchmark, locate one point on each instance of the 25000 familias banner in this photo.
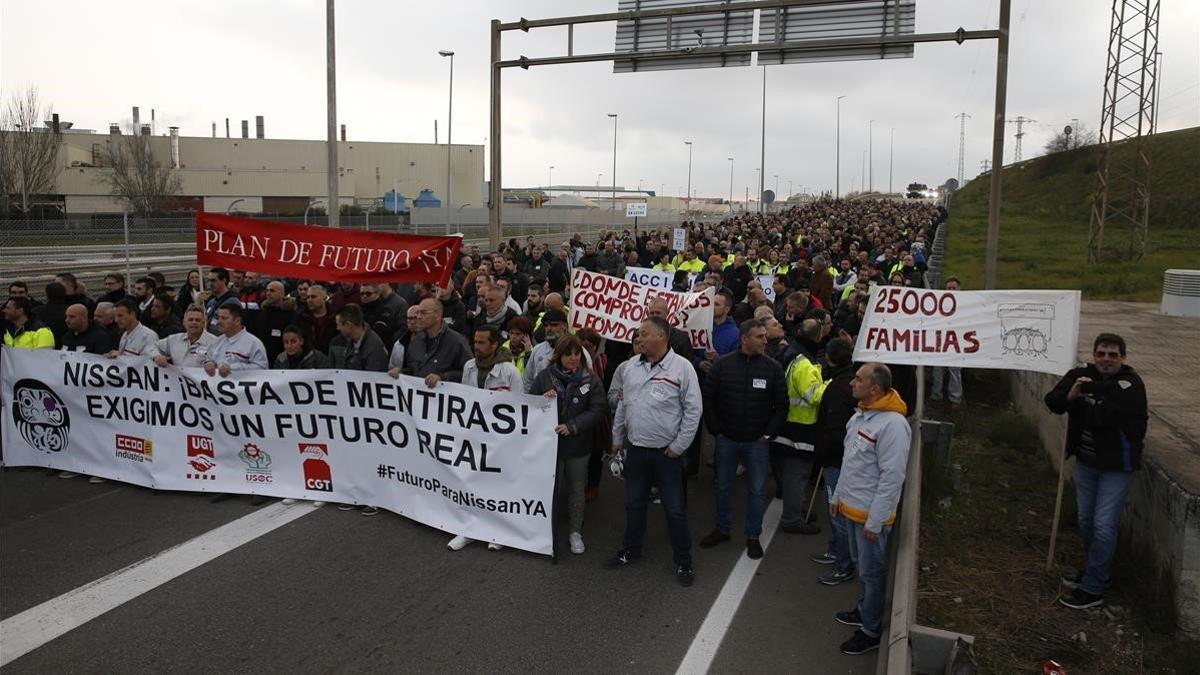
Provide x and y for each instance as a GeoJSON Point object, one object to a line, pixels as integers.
{"type": "Point", "coordinates": [461, 459]}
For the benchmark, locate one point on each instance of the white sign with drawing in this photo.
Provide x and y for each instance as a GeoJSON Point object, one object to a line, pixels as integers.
{"type": "Point", "coordinates": [680, 241]}
{"type": "Point", "coordinates": [1012, 330]}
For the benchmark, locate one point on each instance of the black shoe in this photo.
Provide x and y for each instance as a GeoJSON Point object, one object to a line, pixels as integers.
{"type": "Point", "coordinates": [835, 577]}
{"type": "Point", "coordinates": [823, 558]}
{"type": "Point", "coordinates": [860, 643]}
{"type": "Point", "coordinates": [851, 618]}
{"type": "Point", "coordinates": [754, 549]}
{"type": "Point", "coordinates": [804, 528]}
{"type": "Point", "coordinates": [713, 538]}
{"type": "Point", "coordinates": [621, 559]}
{"type": "Point", "coordinates": [1081, 599]}
{"type": "Point", "coordinates": [685, 575]}
{"type": "Point", "coordinates": [1073, 579]}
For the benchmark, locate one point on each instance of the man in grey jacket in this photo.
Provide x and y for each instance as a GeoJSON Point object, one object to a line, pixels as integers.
{"type": "Point", "coordinates": [867, 494]}
{"type": "Point", "coordinates": [657, 418]}
{"type": "Point", "coordinates": [362, 348]}
{"type": "Point", "coordinates": [437, 353]}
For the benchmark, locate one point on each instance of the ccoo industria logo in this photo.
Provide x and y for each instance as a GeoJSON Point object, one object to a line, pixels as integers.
{"type": "Point", "coordinates": [40, 416]}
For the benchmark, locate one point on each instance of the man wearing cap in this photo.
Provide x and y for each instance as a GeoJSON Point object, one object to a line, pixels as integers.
{"type": "Point", "coordinates": [554, 322]}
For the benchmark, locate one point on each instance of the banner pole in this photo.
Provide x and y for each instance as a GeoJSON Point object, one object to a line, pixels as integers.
{"type": "Point", "coordinates": [1062, 472]}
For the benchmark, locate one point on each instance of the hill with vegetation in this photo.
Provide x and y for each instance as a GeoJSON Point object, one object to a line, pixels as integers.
{"type": "Point", "coordinates": [1045, 211]}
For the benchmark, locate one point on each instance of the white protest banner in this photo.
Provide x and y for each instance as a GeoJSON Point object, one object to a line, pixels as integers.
{"type": "Point", "coordinates": [461, 459]}
{"type": "Point", "coordinates": [1014, 330]}
{"type": "Point", "coordinates": [635, 210]}
{"type": "Point", "coordinates": [648, 277]}
{"type": "Point", "coordinates": [615, 307]}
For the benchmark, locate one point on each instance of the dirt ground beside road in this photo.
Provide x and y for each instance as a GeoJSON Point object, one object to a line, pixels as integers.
{"type": "Point", "coordinates": [985, 531]}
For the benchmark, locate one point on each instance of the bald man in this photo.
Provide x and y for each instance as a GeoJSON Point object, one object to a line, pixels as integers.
{"type": "Point", "coordinates": [436, 353]}
{"type": "Point", "coordinates": [82, 335]}
{"type": "Point", "coordinates": [276, 312]}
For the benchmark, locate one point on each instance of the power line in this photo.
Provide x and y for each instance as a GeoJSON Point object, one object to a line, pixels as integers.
{"type": "Point", "coordinates": [962, 135]}
{"type": "Point", "coordinates": [1021, 121]}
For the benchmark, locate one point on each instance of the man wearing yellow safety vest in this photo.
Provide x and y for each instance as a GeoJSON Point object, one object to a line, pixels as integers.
{"type": "Point", "coordinates": [792, 453]}
{"type": "Point", "coordinates": [23, 330]}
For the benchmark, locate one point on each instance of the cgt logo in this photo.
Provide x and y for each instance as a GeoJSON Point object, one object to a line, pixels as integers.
{"type": "Point", "coordinates": [317, 475]}
{"type": "Point", "coordinates": [201, 458]}
{"type": "Point", "coordinates": [134, 448]}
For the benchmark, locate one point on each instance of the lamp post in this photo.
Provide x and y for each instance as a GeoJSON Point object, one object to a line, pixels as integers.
{"type": "Point", "coordinates": [550, 180]}
{"type": "Point", "coordinates": [837, 168]}
{"type": "Point", "coordinates": [730, 184]}
{"type": "Point", "coordinates": [871, 156]}
{"type": "Point", "coordinates": [891, 157]}
{"type": "Point", "coordinates": [689, 186]}
{"type": "Point", "coordinates": [331, 147]}
{"type": "Point", "coordinates": [598, 177]}
{"type": "Point", "coordinates": [449, 130]}
{"type": "Point", "coordinates": [612, 207]}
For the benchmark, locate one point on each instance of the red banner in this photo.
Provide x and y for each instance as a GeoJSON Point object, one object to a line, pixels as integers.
{"type": "Point", "coordinates": [322, 253]}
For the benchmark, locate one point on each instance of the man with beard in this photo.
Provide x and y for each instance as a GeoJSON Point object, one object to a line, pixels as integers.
{"type": "Point", "coordinates": [495, 313]}
{"type": "Point", "coordinates": [162, 317]}
{"type": "Point", "coordinates": [318, 320]}
{"type": "Point", "coordinates": [385, 311]}
{"type": "Point", "coordinates": [82, 335]}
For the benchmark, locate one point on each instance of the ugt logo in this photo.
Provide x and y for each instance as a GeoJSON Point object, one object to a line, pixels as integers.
{"type": "Point", "coordinates": [202, 457]}
{"type": "Point", "coordinates": [317, 475]}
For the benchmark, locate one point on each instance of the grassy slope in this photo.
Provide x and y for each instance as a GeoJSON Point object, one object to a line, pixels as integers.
{"type": "Point", "coordinates": [1045, 211]}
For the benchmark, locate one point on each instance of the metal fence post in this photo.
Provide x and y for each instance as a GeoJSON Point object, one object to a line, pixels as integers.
{"type": "Point", "coordinates": [125, 226]}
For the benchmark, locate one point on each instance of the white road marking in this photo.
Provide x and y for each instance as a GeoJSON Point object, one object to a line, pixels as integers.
{"type": "Point", "coordinates": [25, 632]}
{"type": "Point", "coordinates": [708, 639]}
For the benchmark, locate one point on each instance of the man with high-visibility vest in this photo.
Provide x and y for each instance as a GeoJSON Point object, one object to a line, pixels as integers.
{"type": "Point", "coordinates": [24, 331]}
{"type": "Point", "coordinates": [792, 453]}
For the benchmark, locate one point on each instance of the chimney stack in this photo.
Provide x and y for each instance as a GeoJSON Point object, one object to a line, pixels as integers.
{"type": "Point", "coordinates": [145, 129]}
{"type": "Point", "coordinates": [136, 117]}
{"type": "Point", "coordinates": [54, 126]}
{"type": "Point", "coordinates": [214, 129]}
{"type": "Point", "coordinates": [245, 128]}
{"type": "Point", "coordinates": [175, 147]}
{"type": "Point", "coordinates": [258, 127]}
{"type": "Point", "coordinates": [226, 127]}
{"type": "Point", "coordinates": [343, 133]}
{"type": "Point", "coordinates": [114, 129]}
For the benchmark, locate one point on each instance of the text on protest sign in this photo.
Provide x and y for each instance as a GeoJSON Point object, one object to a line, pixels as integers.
{"type": "Point", "coordinates": [323, 253]}
{"type": "Point", "coordinates": [1014, 330]}
{"type": "Point", "coordinates": [635, 210]}
{"type": "Point", "coordinates": [615, 307]}
{"type": "Point", "coordinates": [461, 459]}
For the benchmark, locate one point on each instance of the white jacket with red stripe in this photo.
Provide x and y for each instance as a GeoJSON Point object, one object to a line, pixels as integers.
{"type": "Point", "coordinates": [661, 405]}
{"type": "Point", "coordinates": [872, 477]}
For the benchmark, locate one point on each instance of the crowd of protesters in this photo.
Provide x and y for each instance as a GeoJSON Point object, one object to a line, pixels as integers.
{"type": "Point", "coordinates": [777, 389]}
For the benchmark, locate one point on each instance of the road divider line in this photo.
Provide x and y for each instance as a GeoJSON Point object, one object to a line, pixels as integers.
{"type": "Point", "coordinates": [25, 632]}
{"type": "Point", "coordinates": [708, 639]}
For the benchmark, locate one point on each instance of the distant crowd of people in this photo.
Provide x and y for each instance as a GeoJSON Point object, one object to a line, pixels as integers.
{"type": "Point", "coordinates": [778, 389]}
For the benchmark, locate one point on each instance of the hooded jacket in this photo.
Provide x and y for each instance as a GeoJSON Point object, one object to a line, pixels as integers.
{"type": "Point", "coordinates": [1106, 429]}
{"type": "Point", "coordinates": [836, 408]}
{"type": "Point", "coordinates": [876, 444]}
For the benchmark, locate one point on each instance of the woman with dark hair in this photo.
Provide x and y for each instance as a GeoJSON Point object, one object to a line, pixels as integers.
{"type": "Point", "coordinates": [297, 354]}
{"type": "Point", "coordinates": [581, 406]}
{"type": "Point", "coordinates": [185, 297]}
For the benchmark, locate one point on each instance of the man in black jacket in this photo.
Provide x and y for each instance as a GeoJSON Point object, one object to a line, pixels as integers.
{"type": "Point", "coordinates": [745, 405]}
{"type": "Point", "coordinates": [385, 311]}
{"type": "Point", "coordinates": [275, 313]}
{"type": "Point", "coordinates": [357, 346]}
{"type": "Point", "coordinates": [84, 336]}
{"type": "Point", "coordinates": [1106, 409]}
{"type": "Point", "coordinates": [837, 407]}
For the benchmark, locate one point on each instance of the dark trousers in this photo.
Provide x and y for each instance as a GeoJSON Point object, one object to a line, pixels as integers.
{"type": "Point", "coordinates": [650, 466]}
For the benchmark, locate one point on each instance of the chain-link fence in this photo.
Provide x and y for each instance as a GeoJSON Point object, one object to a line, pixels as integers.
{"type": "Point", "coordinates": [90, 247]}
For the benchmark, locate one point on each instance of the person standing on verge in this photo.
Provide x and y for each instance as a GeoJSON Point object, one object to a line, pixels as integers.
{"type": "Point", "coordinates": [659, 414]}
{"type": "Point", "coordinates": [745, 405]}
{"type": "Point", "coordinates": [1105, 404]}
{"type": "Point", "coordinates": [954, 391]}
{"type": "Point", "coordinates": [876, 457]}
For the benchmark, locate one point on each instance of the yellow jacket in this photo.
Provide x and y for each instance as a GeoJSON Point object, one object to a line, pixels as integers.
{"type": "Point", "coordinates": [33, 336]}
{"type": "Point", "coordinates": [805, 390]}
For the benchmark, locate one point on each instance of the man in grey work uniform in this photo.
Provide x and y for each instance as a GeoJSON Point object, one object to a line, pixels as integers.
{"type": "Point", "coordinates": [656, 420]}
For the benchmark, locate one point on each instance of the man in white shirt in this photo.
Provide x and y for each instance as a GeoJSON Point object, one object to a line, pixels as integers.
{"type": "Point", "coordinates": [137, 339]}
{"type": "Point", "coordinates": [236, 348]}
{"type": "Point", "coordinates": [188, 349]}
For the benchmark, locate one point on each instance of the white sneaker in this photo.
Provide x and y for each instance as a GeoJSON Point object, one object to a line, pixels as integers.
{"type": "Point", "coordinates": [95, 480]}
{"type": "Point", "coordinates": [316, 504]}
{"type": "Point", "coordinates": [68, 474]}
{"type": "Point", "coordinates": [289, 501]}
{"type": "Point", "coordinates": [458, 543]}
{"type": "Point", "coordinates": [495, 547]}
{"type": "Point", "coordinates": [577, 543]}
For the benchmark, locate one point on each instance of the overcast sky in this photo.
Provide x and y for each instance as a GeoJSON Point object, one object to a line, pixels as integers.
{"type": "Point", "coordinates": [199, 61]}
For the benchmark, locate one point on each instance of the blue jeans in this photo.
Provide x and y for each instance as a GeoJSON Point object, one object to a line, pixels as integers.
{"type": "Point", "coordinates": [649, 466]}
{"type": "Point", "coordinates": [839, 545]}
{"type": "Point", "coordinates": [871, 557]}
{"type": "Point", "coordinates": [1100, 497]}
{"type": "Point", "coordinates": [755, 456]}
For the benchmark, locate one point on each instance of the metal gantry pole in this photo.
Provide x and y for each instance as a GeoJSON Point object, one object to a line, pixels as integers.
{"type": "Point", "coordinates": [762, 145]}
{"type": "Point", "coordinates": [837, 166]}
{"type": "Point", "coordinates": [331, 140]}
{"type": "Point", "coordinates": [731, 185]}
{"type": "Point", "coordinates": [688, 196]}
{"type": "Point", "coordinates": [449, 131]}
{"type": "Point", "coordinates": [871, 156]}
{"type": "Point", "coordinates": [612, 208]}
{"type": "Point", "coordinates": [891, 158]}
{"type": "Point", "coordinates": [993, 231]}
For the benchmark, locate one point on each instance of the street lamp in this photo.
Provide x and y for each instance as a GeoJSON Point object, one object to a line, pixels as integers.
{"type": "Point", "coordinates": [612, 207]}
{"type": "Point", "coordinates": [449, 130]}
{"type": "Point", "coordinates": [837, 170]}
{"type": "Point", "coordinates": [891, 157]}
{"type": "Point", "coordinates": [598, 177]}
{"type": "Point", "coordinates": [550, 184]}
{"type": "Point", "coordinates": [871, 156]}
{"type": "Point", "coordinates": [689, 188]}
{"type": "Point", "coordinates": [730, 184]}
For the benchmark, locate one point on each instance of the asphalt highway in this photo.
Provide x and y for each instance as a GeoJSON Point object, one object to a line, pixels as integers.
{"type": "Point", "coordinates": [332, 591]}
